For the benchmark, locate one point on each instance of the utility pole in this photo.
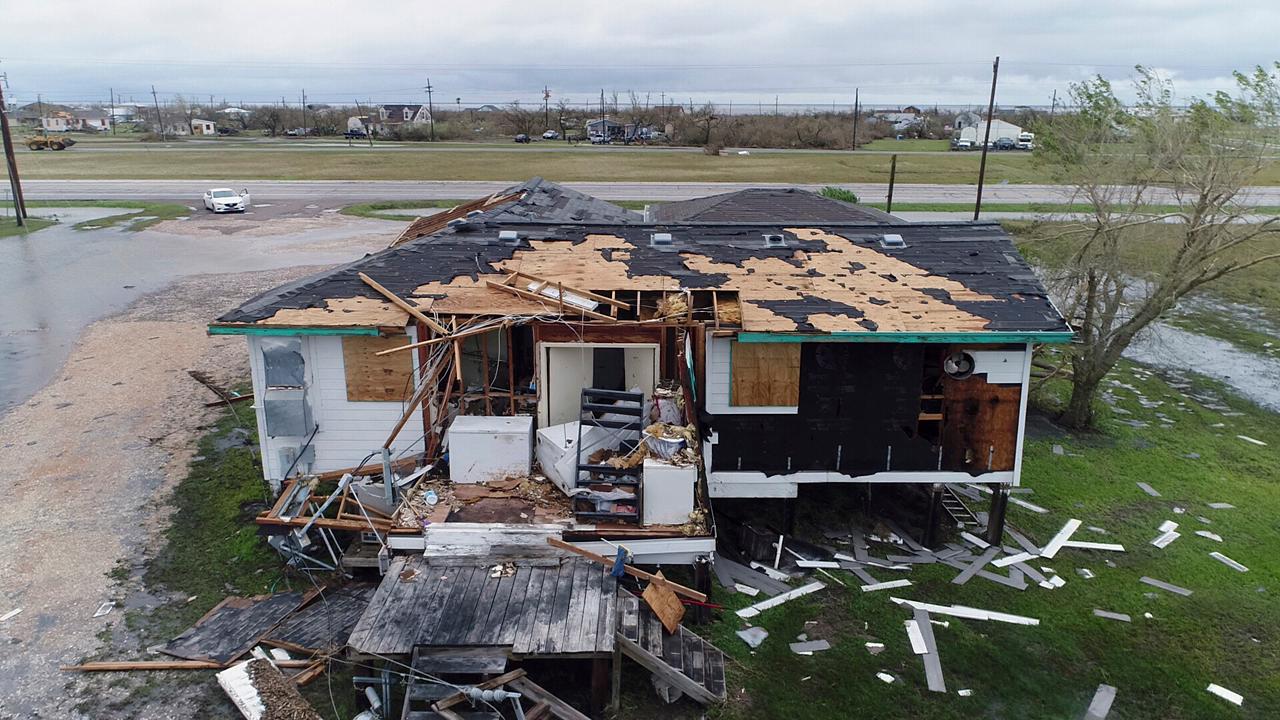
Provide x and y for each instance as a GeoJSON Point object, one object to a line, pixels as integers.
{"type": "Point", "coordinates": [112, 93]}
{"type": "Point", "coordinates": [44, 127]}
{"type": "Point", "coordinates": [604, 129]}
{"type": "Point", "coordinates": [991, 108]}
{"type": "Point", "coordinates": [431, 111]}
{"type": "Point", "coordinates": [368, 131]}
{"type": "Point", "coordinates": [775, 105]}
{"type": "Point", "coordinates": [855, 117]}
{"type": "Point", "coordinates": [159, 119]}
{"type": "Point", "coordinates": [546, 108]}
{"type": "Point", "coordinates": [11, 160]}
{"type": "Point", "coordinates": [304, 112]}
{"type": "Point", "coordinates": [1054, 104]}
{"type": "Point", "coordinates": [893, 175]}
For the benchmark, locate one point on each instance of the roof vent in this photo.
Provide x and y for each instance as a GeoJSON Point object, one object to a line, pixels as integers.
{"type": "Point", "coordinates": [775, 241]}
{"type": "Point", "coordinates": [457, 222]}
{"type": "Point", "coordinates": [661, 240]}
{"type": "Point", "coordinates": [892, 241]}
{"type": "Point", "coordinates": [508, 237]}
{"type": "Point", "coordinates": [474, 213]}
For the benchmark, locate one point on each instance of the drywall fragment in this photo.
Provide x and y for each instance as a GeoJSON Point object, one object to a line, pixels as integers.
{"type": "Point", "coordinates": [756, 609]}
{"type": "Point", "coordinates": [885, 677]}
{"type": "Point", "coordinates": [1234, 698]}
{"type": "Point", "coordinates": [1013, 559]}
{"type": "Point", "coordinates": [1086, 545]}
{"type": "Point", "coordinates": [753, 636]}
{"type": "Point", "coordinates": [1057, 581]}
{"type": "Point", "coordinates": [1164, 586]}
{"type": "Point", "coordinates": [1101, 704]}
{"type": "Point", "coordinates": [966, 692]}
{"type": "Point", "coordinates": [1248, 439]}
{"type": "Point", "coordinates": [1212, 536]}
{"type": "Point", "coordinates": [811, 647]}
{"type": "Point", "coordinates": [1063, 536]}
{"type": "Point", "coordinates": [875, 648]}
{"type": "Point", "coordinates": [885, 585]}
{"type": "Point", "coordinates": [1167, 526]}
{"type": "Point", "coordinates": [1112, 615]}
{"type": "Point", "coordinates": [1228, 562]}
{"type": "Point", "coordinates": [1148, 489]}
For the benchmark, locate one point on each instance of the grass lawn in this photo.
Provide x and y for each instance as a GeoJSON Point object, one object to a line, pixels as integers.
{"type": "Point", "coordinates": [268, 163]}
{"type": "Point", "coordinates": [150, 212]}
{"type": "Point", "coordinates": [9, 227]}
{"type": "Point", "coordinates": [1225, 633]}
{"type": "Point", "coordinates": [891, 145]}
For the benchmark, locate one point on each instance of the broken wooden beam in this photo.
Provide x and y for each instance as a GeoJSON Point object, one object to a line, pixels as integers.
{"type": "Point", "coordinates": [542, 299]}
{"type": "Point", "coordinates": [632, 571]}
{"type": "Point", "coordinates": [413, 310]}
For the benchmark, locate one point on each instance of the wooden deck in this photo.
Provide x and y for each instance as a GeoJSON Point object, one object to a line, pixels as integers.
{"type": "Point", "coordinates": [548, 607]}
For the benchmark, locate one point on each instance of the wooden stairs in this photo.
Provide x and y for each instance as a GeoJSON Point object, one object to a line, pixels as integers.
{"type": "Point", "coordinates": [682, 660]}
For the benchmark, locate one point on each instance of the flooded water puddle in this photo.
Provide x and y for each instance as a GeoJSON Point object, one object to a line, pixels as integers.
{"type": "Point", "coordinates": [1253, 376]}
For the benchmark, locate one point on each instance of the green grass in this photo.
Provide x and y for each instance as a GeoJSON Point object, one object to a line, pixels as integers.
{"type": "Point", "coordinates": [908, 145]}
{"type": "Point", "coordinates": [10, 228]}
{"type": "Point", "coordinates": [377, 209]}
{"type": "Point", "coordinates": [151, 212]}
{"type": "Point", "coordinates": [1160, 665]}
{"type": "Point", "coordinates": [280, 163]}
{"type": "Point", "coordinates": [212, 548]}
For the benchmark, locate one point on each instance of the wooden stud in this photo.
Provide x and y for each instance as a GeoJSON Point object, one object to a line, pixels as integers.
{"type": "Point", "coordinates": [632, 571]}
{"type": "Point", "coordinates": [445, 337]}
{"type": "Point", "coordinates": [511, 371]}
{"type": "Point", "coordinates": [520, 292]}
{"type": "Point", "coordinates": [403, 305]}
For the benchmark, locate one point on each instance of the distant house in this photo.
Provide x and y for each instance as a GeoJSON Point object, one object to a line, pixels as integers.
{"type": "Point", "coordinates": [976, 133]}
{"type": "Point", "coordinates": [203, 127]}
{"type": "Point", "coordinates": [93, 120]}
{"type": "Point", "coordinates": [58, 121]}
{"type": "Point", "coordinates": [397, 116]}
{"type": "Point", "coordinates": [610, 129]}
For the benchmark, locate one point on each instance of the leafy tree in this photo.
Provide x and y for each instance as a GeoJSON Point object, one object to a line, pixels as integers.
{"type": "Point", "coordinates": [1155, 165]}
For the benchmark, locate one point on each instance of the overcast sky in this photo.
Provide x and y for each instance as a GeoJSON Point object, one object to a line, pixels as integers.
{"type": "Point", "coordinates": [921, 52]}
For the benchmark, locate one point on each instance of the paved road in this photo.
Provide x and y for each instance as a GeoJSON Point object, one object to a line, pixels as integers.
{"type": "Point", "coordinates": [342, 191]}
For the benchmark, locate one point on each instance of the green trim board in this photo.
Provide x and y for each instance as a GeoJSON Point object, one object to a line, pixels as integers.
{"type": "Point", "coordinates": [251, 330]}
{"type": "Point", "coordinates": [907, 337]}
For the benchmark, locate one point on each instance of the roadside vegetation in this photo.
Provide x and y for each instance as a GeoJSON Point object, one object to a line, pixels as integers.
{"type": "Point", "coordinates": [146, 213]}
{"type": "Point", "coordinates": [10, 228]}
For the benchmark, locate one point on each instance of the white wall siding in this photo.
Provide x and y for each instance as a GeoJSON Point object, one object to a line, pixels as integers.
{"type": "Point", "coordinates": [720, 383]}
{"type": "Point", "coordinates": [348, 430]}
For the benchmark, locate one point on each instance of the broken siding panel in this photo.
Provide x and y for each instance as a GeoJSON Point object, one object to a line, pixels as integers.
{"type": "Point", "coordinates": [765, 375]}
{"type": "Point", "coordinates": [980, 430]}
{"type": "Point", "coordinates": [348, 430]}
{"type": "Point", "coordinates": [370, 378]}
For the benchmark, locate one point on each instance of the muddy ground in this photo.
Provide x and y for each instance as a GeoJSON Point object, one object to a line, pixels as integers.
{"type": "Point", "coordinates": [89, 461]}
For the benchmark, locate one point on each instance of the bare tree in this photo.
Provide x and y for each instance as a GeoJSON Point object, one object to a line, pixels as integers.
{"type": "Point", "coordinates": [267, 117]}
{"type": "Point", "coordinates": [1153, 169]}
{"type": "Point", "coordinates": [519, 120]}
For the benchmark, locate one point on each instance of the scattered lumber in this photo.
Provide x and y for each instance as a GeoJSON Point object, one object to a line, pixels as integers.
{"type": "Point", "coordinates": [403, 305]}
{"type": "Point", "coordinates": [756, 609]}
{"type": "Point", "coordinates": [491, 684]}
{"type": "Point", "coordinates": [664, 603]}
{"type": "Point", "coordinates": [129, 665]}
{"type": "Point", "coordinates": [632, 571]}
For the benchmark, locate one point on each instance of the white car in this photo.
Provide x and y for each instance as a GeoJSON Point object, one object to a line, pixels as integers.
{"type": "Point", "coordinates": [222, 200]}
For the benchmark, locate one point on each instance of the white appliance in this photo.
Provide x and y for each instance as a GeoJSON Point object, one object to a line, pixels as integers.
{"type": "Point", "coordinates": [668, 492]}
{"type": "Point", "coordinates": [558, 453]}
{"type": "Point", "coordinates": [483, 448]}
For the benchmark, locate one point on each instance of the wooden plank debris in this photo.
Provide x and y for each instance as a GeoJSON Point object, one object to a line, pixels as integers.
{"type": "Point", "coordinates": [1164, 539]}
{"type": "Point", "coordinates": [1254, 441]}
{"type": "Point", "coordinates": [976, 566]}
{"type": "Point", "coordinates": [1062, 537]}
{"type": "Point", "coordinates": [1222, 506]}
{"type": "Point", "coordinates": [975, 540]}
{"type": "Point", "coordinates": [1234, 698]}
{"type": "Point", "coordinates": [1148, 489]}
{"type": "Point", "coordinates": [632, 571]}
{"type": "Point", "coordinates": [743, 574]}
{"type": "Point", "coordinates": [1165, 586]}
{"type": "Point", "coordinates": [1210, 535]}
{"type": "Point", "coordinates": [932, 663]}
{"type": "Point", "coordinates": [1122, 617]}
{"type": "Point", "coordinates": [1228, 562]}
{"type": "Point", "coordinates": [915, 638]}
{"type": "Point", "coordinates": [885, 585]}
{"type": "Point", "coordinates": [770, 572]}
{"type": "Point", "coordinates": [745, 589]}
{"type": "Point", "coordinates": [963, 611]}
{"type": "Point", "coordinates": [1087, 545]}
{"type": "Point", "coordinates": [1100, 706]}
{"type": "Point", "coordinates": [404, 305]}
{"type": "Point", "coordinates": [756, 609]}
{"type": "Point", "coordinates": [1013, 559]}
{"type": "Point", "coordinates": [810, 647]}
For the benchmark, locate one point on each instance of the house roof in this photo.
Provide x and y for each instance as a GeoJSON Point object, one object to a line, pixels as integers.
{"type": "Point", "coordinates": [768, 205]}
{"type": "Point", "coordinates": [829, 278]}
{"type": "Point", "coordinates": [536, 199]}
{"type": "Point", "coordinates": [399, 109]}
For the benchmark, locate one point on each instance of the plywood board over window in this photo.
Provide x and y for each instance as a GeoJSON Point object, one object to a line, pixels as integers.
{"type": "Point", "coordinates": [765, 374]}
{"type": "Point", "coordinates": [376, 379]}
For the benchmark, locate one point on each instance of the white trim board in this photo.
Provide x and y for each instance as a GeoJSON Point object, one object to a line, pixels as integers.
{"type": "Point", "coordinates": [755, 484]}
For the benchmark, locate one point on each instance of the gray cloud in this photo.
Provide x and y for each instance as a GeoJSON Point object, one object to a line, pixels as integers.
{"type": "Point", "coordinates": [804, 51]}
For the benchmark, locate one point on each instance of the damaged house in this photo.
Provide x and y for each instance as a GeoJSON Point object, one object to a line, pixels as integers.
{"type": "Point", "coordinates": [540, 368]}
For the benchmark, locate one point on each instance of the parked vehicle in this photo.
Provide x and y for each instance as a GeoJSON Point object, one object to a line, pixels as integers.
{"type": "Point", "coordinates": [961, 144]}
{"type": "Point", "coordinates": [1026, 141]}
{"type": "Point", "coordinates": [1005, 143]}
{"type": "Point", "coordinates": [50, 142]}
{"type": "Point", "coordinates": [551, 135]}
{"type": "Point", "coordinates": [222, 200]}
{"type": "Point", "coordinates": [355, 134]}
{"type": "Point", "coordinates": [522, 138]}
{"type": "Point", "coordinates": [296, 132]}
{"type": "Point", "coordinates": [228, 131]}
{"type": "Point", "coordinates": [597, 139]}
